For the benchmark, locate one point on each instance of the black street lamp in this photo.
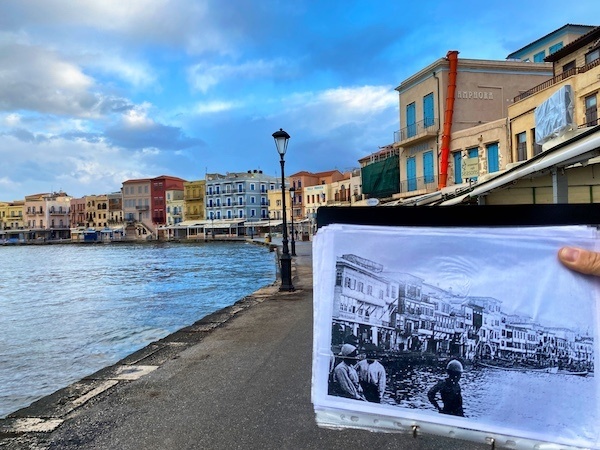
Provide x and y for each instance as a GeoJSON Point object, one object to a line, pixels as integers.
{"type": "Point", "coordinates": [292, 192]}
{"type": "Point", "coordinates": [212, 225]}
{"type": "Point", "coordinates": [281, 142]}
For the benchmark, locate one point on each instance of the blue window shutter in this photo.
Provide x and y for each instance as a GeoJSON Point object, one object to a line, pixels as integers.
{"type": "Point", "coordinates": [492, 158]}
{"type": "Point", "coordinates": [457, 167]}
{"type": "Point", "coordinates": [428, 167]}
{"type": "Point", "coordinates": [411, 118]}
{"type": "Point", "coordinates": [411, 173]}
{"type": "Point", "coordinates": [428, 114]}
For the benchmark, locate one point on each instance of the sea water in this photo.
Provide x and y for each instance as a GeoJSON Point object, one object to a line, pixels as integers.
{"type": "Point", "coordinates": [67, 311]}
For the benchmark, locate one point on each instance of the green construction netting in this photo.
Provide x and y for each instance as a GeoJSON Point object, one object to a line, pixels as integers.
{"type": "Point", "coordinates": [381, 179]}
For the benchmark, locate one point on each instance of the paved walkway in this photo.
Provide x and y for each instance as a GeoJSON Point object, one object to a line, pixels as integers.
{"type": "Point", "coordinates": [238, 379]}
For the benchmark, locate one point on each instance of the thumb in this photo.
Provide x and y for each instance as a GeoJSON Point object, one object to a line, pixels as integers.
{"type": "Point", "coordinates": [580, 260]}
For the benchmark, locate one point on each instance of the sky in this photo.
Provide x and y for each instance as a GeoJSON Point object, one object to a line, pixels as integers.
{"type": "Point", "coordinates": [93, 93]}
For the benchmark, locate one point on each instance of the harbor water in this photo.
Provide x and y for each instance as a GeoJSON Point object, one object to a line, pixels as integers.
{"type": "Point", "coordinates": [552, 405]}
{"type": "Point", "coordinates": [67, 311]}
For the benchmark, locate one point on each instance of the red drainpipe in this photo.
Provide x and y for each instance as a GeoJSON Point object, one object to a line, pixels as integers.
{"type": "Point", "coordinates": [452, 57]}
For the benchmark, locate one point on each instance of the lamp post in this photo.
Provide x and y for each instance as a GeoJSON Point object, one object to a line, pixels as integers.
{"type": "Point", "coordinates": [292, 192]}
{"type": "Point", "coordinates": [212, 225]}
{"type": "Point", "coordinates": [281, 141]}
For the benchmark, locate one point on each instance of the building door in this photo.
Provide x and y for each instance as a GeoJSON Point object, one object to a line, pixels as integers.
{"type": "Point", "coordinates": [411, 120]}
{"type": "Point", "coordinates": [457, 156]}
{"type": "Point", "coordinates": [428, 167]}
{"type": "Point", "coordinates": [411, 173]}
{"type": "Point", "coordinates": [493, 161]}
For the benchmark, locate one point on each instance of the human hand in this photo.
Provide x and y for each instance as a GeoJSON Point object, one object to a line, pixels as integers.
{"type": "Point", "coordinates": [580, 260]}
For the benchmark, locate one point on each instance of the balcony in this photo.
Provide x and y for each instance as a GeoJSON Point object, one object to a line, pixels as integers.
{"type": "Point", "coordinates": [419, 185]}
{"type": "Point", "coordinates": [58, 211]}
{"type": "Point", "coordinates": [142, 207]}
{"type": "Point", "coordinates": [557, 79]}
{"type": "Point", "coordinates": [417, 132]}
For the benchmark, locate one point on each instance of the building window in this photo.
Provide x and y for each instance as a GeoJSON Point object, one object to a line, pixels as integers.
{"type": "Point", "coordinates": [252, 187]}
{"type": "Point", "coordinates": [252, 213]}
{"type": "Point", "coordinates": [569, 66]}
{"type": "Point", "coordinates": [521, 146]}
{"type": "Point", "coordinates": [253, 200]}
{"type": "Point", "coordinates": [555, 47]}
{"type": "Point", "coordinates": [539, 57]}
{"type": "Point", "coordinates": [592, 56]}
{"type": "Point", "coordinates": [591, 111]}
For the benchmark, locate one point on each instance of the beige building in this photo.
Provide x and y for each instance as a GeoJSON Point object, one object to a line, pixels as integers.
{"type": "Point", "coordinates": [193, 196]}
{"type": "Point", "coordinates": [47, 216]}
{"type": "Point", "coordinates": [483, 90]}
{"type": "Point", "coordinates": [136, 207]}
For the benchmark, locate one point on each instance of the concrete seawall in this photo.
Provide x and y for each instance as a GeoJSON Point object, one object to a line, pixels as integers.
{"type": "Point", "coordinates": [238, 378]}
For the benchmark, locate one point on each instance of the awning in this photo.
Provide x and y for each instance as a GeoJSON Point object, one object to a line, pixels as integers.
{"type": "Point", "coordinates": [579, 149]}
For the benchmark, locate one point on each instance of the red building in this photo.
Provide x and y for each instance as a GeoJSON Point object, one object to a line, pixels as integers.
{"type": "Point", "coordinates": [158, 200]}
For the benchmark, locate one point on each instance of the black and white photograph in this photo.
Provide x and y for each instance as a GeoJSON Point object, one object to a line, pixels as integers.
{"type": "Point", "coordinates": [475, 328]}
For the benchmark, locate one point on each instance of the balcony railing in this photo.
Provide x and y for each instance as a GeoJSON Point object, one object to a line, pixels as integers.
{"type": "Point", "coordinates": [142, 207]}
{"type": "Point", "coordinates": [427, 127]}
{"type": "Point", "coordinates": [557, 79]}
{"type": "Point", "coordinates": [428, 183]}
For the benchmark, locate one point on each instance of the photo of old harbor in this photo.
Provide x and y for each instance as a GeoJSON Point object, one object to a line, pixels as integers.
{"type": "Point", "coordinates": [400, 338]}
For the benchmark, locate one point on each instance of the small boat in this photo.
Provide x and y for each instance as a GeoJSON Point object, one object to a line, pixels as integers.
{"type": "Point", "coordinates": [578, 374]}
{"type": "Point", "coordinates": [551, 369]}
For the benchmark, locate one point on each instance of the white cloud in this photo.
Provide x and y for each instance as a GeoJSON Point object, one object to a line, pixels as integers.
{"type": "Point", "coordinates": [335, 108]}
{"type": "Point", "coordinates": [213, 107]}
{"type": "Point", "coordinates": [78, 167]}
{"type": "Point", "coordinates": [136, 73]}
{"type": "Point", "coordinates": [203, 76]}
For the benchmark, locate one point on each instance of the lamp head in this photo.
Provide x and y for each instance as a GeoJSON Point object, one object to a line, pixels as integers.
{"type": "Point", "coordinates": [281, 141]}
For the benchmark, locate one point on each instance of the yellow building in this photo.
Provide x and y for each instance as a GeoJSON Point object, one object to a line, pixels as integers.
{"type": "Point", "coordinates": [193, 200]}
{"type": "Point", "coordinates": [11, 215]}
{"type": "Point", "coordinates": [475, 92]}
{"type": "Point", "coordinates": [96, 211]}
{"type": "Point", "coordinates": [576, 66]}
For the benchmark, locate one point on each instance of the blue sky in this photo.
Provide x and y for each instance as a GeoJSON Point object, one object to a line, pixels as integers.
{"type": "Point", "coordinates": [96, 92]}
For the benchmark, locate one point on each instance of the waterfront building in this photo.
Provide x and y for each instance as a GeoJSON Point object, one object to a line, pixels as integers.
{"type": "Point", "coordinates": [77, 215]}
{"type": "Point", "coordinates": [47, 216]}
{"type": "Point", "coordinates": [239, 201]}
{"type": "Point", "coordinates": [472, 92]}
{"type": "Point", "coordinates": [96, 212]}
{"type": "Point", "coordinates": [136, 208]}
{"type": "Point", "coordinates": [159, 187]}
{"type": "Point", "coordinates": [175, 202]}
{"type": "Point", "coordinates": [193, 196]}
{"type": "Point", "coordinates": [115, 211]}
{"type": "Point", "coordinates": [313, 190]}
{"type": "Point", "coordinates": [363, 301]}
{"type": "Point", "coordinates": [340, 191]}
{"type": "Point", "coordinates": [11, 217]}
